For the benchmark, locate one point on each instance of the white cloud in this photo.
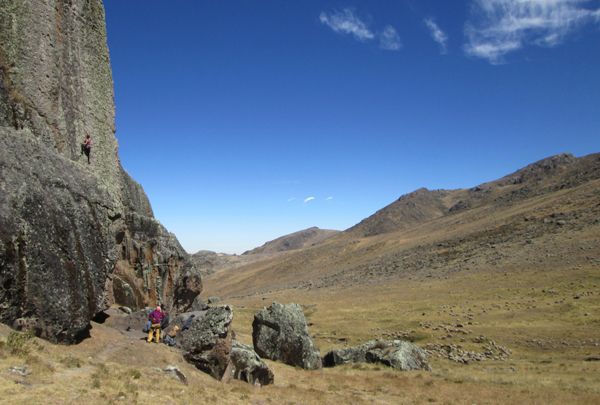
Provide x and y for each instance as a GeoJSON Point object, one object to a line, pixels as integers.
{"type": "Point", "coordinates": [437, 34]}
{"type": "Point", "coordinates": [346, 23]}
{"type": "Point", "coordinates": [502, 26]}
{"type": "Point", "coordinates": [328, 198]}
{"type": "Point", "coordinates": [309, 198]}
{"type": "Point", "coordinates": [389, 39]}
{"type": "Point", "coordinates": [293, 198]}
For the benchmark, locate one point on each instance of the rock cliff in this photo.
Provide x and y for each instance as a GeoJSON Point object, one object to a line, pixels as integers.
{"type": "Point", "coordinates": [75, 237]}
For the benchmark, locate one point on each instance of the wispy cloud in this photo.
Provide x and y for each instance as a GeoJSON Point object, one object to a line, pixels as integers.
{"type": "Point", "coordinates": [291, 199]}
{"type": "Point", "coordinates": [328, 198]}
{"type": "Point", "coordinates": [345, 22]}
{"type": "Point", "coordinates": [437, 34]}
{"type": "Point", "coordinates": [389, 39]}
{"type": "Point", "coordinates": [502, 26]}
{"type": "Point", "coordinates": [309, 198]}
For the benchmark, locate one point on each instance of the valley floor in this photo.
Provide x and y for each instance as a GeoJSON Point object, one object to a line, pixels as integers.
{"type": "Point", "coordinates": [547, 322]}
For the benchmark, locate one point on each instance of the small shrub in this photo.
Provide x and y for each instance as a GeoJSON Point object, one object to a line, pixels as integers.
{"type": "Point", "coordinates": [135, 374]}
{"type": "Point", "coordinates": [19, 344]}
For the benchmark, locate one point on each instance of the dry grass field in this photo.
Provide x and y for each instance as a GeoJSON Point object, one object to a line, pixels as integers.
{"type": "Point", "coordinates": [549, 336]}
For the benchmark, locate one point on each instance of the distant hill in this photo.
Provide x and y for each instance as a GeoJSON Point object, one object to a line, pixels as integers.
{"type": "Point", "coordinates": [502, 225]}
{"type": "Point", "coordinates": [420, 206]}
{"type": "Point", "coordinates": [294, 241]}
{"type": "Point", "coordinates": [209, 262]}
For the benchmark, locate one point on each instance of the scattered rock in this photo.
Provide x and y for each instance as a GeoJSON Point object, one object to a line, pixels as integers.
{"type": "Point", "coordinates": [21, 370]}
{"type": "Point", "coordinates": [125, 310]}
{"type": "Point", "coordinates": [281, 333]}
{"type": "Point", "coordinates": [492, 352]}
{"type": "Point", "coordinates": [175, 372]}
{"type": "Point", "coordinates": [398, 354]}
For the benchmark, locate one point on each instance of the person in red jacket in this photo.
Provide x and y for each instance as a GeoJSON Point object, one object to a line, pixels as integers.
{"type": "Point", "coordinates": [155, 317]}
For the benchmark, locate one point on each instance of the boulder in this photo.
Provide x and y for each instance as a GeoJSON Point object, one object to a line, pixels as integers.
{"type": "Point", "coordinates": [199, 305]}
{"type": "Point", "coordinates": [281, 333]}
{"type": "Point", "coordinates": [181, 319]}
{"type": "Point", "coordinates": [248, 366]}
{"type": "Point", "coordinates": [398, 354]}
{"type": "Point", "coordinates": [207, 343]}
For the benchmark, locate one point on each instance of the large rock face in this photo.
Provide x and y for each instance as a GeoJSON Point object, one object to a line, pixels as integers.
{"type": "Point", "coordinates": [281, 333]}
{"type": "Point", "coordinates": [74, 237]}
{"type": "Point", "coordinates": [398, 354]}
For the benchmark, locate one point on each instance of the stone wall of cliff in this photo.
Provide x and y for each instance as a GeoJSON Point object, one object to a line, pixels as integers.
{"type": "Point", "coordinates": [75, 237]}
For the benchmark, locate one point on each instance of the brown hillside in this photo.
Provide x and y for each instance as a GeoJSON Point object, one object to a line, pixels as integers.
{"type": "Point", "coordinates": [409, 210]}
{"type": "Point", "coordinates": [437, 233]}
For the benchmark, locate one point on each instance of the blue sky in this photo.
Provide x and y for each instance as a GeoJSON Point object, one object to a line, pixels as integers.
{"type": "Point", "coordinates": [249, 120]}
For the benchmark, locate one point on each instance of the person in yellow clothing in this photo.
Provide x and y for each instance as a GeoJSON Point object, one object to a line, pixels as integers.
{"type": "Point", "coordinates": [155, 317]}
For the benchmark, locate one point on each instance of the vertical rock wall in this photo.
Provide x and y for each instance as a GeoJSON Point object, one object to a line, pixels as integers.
{"type": "Point", "coordinates": [74, 237]}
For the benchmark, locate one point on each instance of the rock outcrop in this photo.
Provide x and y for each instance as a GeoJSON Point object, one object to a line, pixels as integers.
{"type": "Point", "coordinates": [75, 237]}
{"type": "Point", "coordinates": [207, 343]}
{"type": "Point", "coordinates": [398, 354]}
{"type": "Point", "coordinates": [281, 333]}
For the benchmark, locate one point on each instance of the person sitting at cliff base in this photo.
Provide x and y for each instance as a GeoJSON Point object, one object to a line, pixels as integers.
{"type": "Point", "coordinates": [86, 146]}
{"type": "Point", "coordinates": [155, 317]}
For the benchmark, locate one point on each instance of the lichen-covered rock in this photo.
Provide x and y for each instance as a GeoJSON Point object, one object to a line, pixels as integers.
{"type": "Point", "coordinates": [74, 238]}
{"type": "Point", "coordinates": [398, 354]}
{"type": "Point", "coordinates": [248, 366]}
{"type": "Point", "coordinates": [281, 333]}
{"type": "Point", "coordinates": [207, 343]}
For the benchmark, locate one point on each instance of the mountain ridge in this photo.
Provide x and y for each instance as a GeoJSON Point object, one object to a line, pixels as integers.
{"type": "Point", "coordinates": [440, 235]}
